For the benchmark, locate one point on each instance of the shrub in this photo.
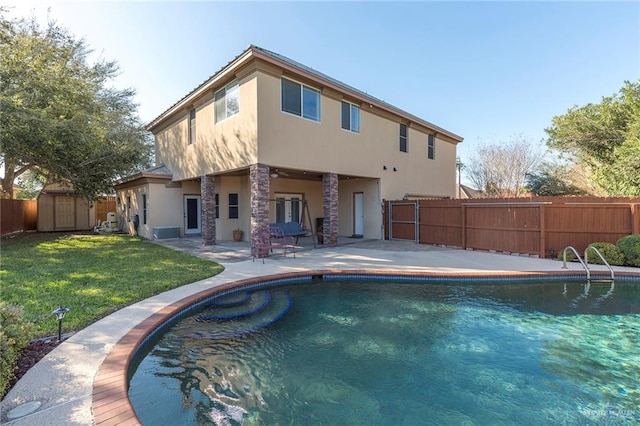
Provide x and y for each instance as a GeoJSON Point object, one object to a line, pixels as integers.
{"type": "Point", "coordinates": [14, 335]}
{"type": "Point", "coordinates": [570, 256]}
{"type": "Point", "coordinates": [609, 251]}
{"type": "Point", "coordinates": [630, 247]}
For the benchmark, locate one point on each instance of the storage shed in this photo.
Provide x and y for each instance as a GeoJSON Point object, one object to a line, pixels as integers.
{"type": "Point", "coordinates": [60, 209]}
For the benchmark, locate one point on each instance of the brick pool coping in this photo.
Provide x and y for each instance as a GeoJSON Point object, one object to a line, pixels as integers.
{"type": "Point", "coordinates": [110, 397]}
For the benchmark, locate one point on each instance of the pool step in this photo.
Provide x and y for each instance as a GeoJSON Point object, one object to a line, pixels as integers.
{"type": "Point", "coordinates": [254, 302]}
{"type": "Point", "coordinates": [232, 299]}
{"type": "Point", "coordinates": [280, 304]}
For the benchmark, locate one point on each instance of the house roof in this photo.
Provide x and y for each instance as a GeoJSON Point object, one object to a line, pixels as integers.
{"type": "Point", "coordinates": [293, 66]}
{"type": "Point", "coordinates": [471, 193]}
{"type": "Point", "coordinates": [157, 172]}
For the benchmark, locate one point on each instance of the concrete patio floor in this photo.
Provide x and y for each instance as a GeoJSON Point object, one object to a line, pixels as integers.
{"type": "Point", "coordinates": [58, 390]}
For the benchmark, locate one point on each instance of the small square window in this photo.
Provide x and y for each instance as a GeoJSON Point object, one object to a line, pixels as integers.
{"type": "Point", "coordinates": [350, 117]}
{"type": "Point", "coordinates": [227, 102]}
{"type": "Point", "coordinates": [300, 100]}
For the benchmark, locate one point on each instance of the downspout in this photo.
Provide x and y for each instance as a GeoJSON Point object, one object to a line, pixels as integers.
{"type": "Point", "coordinates": [381, 211]}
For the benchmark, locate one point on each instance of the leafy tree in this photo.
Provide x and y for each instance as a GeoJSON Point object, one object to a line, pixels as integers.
{"type": "Point", "coordinates": [551, 180]}
{"type": "Point", "coordinates": [58, 114]}
{"type": "Point", "coordinates": [606, 138]}
{"type": "Point", "coordinates": [500, 169]}
{"type": "Point", "coordinates": [30, 183]}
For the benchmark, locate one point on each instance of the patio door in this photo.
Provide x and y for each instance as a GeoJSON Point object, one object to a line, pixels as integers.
{"type": "Point", "coordinates": [192, 214]}
{"type": "Point", "coordinates": [358, 214]}
{"type": "Point", "coordinates": [288, 207]}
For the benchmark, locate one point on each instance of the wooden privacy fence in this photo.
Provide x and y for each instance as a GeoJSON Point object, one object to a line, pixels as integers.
{"type": "Point", "coordinates": [18, 215]}
{"type": "Point", "coordinates": [105, 205]}
{"type": "Point", "coordinates": [22, 215]}
{"type": "Point", "coordinates": [541, 226]}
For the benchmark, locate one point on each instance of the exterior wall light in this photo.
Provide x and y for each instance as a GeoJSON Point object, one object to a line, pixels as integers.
{"type": "Point", "coordinates": [60, 313]}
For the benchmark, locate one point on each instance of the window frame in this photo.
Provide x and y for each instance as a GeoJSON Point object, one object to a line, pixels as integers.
{"type": "Point", "coordinates": [233, 87]}
{"type": "Point", "coordinates": [192, 126]}
{"type": "Point", "coordinates": [351, 106]}
{"type": "Point", "coordinates": [216, 198]}
{"type": "Point", "coordinates": [431, 147]}
{"type": "Point", "coordinates": [301, 98]}
{"type": "Point", "coordinates": [404, 139]}
{"type": "Point", "coordinates": [144, 209]}
{"type": "Point", "coordinates": [233, 207]}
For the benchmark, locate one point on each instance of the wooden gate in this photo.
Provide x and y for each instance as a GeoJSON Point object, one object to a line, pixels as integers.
{"type": "Point", "coordinates": [403, 220]}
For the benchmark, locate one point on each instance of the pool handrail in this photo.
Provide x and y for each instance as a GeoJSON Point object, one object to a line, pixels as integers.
{"type": "Point", "coordinates": [585, 263]}
{"type": "Point", "coordinates": [604, 261]}
{"type": "Point", "coordinates": [564, 260]}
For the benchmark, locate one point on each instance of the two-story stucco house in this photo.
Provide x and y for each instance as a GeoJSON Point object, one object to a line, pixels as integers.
{"type": "Point", "coordinates": [244, 148]}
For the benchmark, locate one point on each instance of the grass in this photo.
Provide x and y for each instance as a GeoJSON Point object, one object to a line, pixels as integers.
{"type": "Point", "coordinates": [92, 275]}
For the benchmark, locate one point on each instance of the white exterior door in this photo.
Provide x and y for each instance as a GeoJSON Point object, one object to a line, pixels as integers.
{"type": "Point", "coordinates": [192, 214]}
{"type": "Point", "coordinates": [288, 208]}
{"type": "Point", "coordinates": [358, 213]}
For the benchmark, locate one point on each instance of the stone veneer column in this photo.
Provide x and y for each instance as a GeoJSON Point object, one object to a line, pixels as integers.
{"type": "Point", "coordinates": [259, 184]}
{"type": "Point", "coordinates": [330, 209]}
{"type": "Point", "coordinates": [208, 205]}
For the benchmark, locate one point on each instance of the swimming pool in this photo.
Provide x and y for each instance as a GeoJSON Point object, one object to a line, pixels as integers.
{"type": "Point", "coordinates": [398, 352]}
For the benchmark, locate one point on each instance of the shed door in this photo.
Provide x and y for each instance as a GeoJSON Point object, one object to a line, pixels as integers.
{"type": "Point", "coordinates": [65, 212]}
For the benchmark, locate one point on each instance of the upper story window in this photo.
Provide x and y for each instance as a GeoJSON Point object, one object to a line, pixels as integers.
{"type": "Point", "coordinates": [227, 102]}
{"type": "Point", "coordinates": [431, 148]}
{"type": "Point", "coordinates": [350, 117]}
{"type": "Point", "coordinates": [192, 126]}
{"type": "Point", "coordinates": [403, 137]}
{"type": "Point", "coordinates": [300, 100]}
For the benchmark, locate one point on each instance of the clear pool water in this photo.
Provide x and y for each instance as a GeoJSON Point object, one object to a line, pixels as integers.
{"type": "Point", "coordinates": [354, 352]}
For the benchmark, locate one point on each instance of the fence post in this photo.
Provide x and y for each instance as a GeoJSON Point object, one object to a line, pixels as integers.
{"type": "Point", "coordinates": [464, 227]}
{"type": "Point", "coordinates": [635, 219]}
{"type": "Point", "coordinates": [417, 219]}
{"type": "Point", "coordinates": [543, 236]}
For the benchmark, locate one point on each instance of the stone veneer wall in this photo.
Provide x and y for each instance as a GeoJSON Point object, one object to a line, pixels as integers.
{"type": "Point", "coordinates": [330, 209]}
{"type": "Point", "coordinates": [259, 184]}
{"type": "Point", "coordinates": [208, 199]}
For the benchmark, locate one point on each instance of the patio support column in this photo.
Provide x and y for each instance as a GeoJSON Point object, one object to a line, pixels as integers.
{"type": "Point", "coordinates": [208, 200]}
{"type": "Point", "coordinates": [330, 209]}
{"type": "Point", "coordinates": [259, 184]}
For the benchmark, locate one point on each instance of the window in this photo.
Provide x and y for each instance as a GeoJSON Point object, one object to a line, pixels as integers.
{"type": "Point", "coordinates": [350, 117]}
{"type": "Point", "coordinates": [403, 137]}
{"type": "Point", "coordinates": [300, 100]}
{"type": "Point", "coordinates": [217, 201]}
{"type": "Point", "coordinates": [431, 150]}
{"type": "Point", "coordinates": [233, 206]}
{"type": "Point", "coordinates": [227, 102]}
{"type": "Point", "coordinates": [192, 126]}
{"type": "Point", "coordinates": [144, 209]}
{"type": "Point", "coordinates": [128, 212]}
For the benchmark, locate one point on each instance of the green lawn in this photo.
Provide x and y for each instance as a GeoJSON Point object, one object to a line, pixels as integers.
{"type": "Point", "coordinates": [92, 275]}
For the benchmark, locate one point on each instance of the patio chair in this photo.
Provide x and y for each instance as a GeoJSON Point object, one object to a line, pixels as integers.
{"type": "Point", "coordinates": [279, 240]}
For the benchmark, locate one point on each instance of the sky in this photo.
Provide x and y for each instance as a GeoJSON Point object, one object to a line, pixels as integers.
{"type": "Point", "coordinates": [487, 71]}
